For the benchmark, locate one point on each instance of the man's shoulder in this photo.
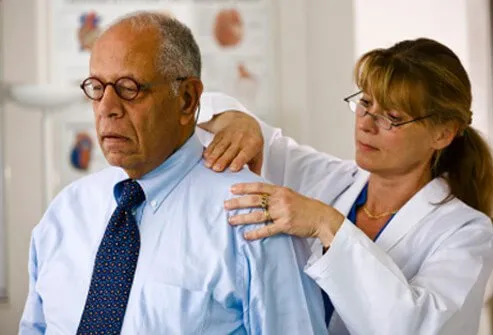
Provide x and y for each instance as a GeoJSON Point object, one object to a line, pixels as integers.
{"type": "Point", "coordinates": [90, 185]}
{"type": "Point", "coordinates": [227, 177]}
{"type": "Point", "coordinates": [218, 184]}
{"type": "Point", "coordinates": [80, 201]}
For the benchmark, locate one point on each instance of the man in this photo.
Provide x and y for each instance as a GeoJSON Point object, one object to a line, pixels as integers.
{"type": "Point", "coordinates": [144, 246]}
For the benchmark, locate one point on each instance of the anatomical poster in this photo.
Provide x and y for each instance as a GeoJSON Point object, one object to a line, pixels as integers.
{"type": "Point", "coordinates": [235, 38]}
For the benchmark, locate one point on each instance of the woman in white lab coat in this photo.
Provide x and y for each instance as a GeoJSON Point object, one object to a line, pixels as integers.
{"type": "Point", "coordinates": [403, 236]}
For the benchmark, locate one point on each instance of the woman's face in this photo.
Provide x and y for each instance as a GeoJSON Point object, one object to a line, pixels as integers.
{"type": "Point", "coordinates": [397, 151]}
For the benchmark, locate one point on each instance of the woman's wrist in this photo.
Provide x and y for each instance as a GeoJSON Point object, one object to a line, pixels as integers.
{"type": "Point", "coordinates": [329, 227]}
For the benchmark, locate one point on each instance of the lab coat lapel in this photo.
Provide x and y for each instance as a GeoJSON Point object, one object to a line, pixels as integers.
{"type": "Point", "coordinates": [412, 213]}
{"type": "Point", "coordinates": [346, 200]}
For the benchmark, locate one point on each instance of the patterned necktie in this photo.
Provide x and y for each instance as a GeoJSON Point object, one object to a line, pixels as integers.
{"type": "Point", "coordinates": [114, 267]}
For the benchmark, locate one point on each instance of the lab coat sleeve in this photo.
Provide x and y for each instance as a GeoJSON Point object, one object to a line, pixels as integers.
{"type": "Point", "coordinates": [372, 296]}
{"type": "Point", "coordinates": [278, 298]}
{"type": "Point", "coordinates": [285, 162]}
{"type": "Point", "coordinates": [32, 321]}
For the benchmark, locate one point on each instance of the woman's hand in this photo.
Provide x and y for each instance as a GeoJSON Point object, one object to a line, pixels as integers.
{"type": "Point", "coordinates": [237, 141]}
{"type": "Point", "coordinates": [291, 213]}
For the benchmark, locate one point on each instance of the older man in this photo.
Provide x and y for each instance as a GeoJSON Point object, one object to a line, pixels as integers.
{"type": "Point", "coordinates": [144, 247]}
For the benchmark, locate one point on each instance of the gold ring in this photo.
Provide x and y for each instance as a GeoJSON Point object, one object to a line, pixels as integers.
{"type": "Point", "coordinates": [265, 201]}
{"type": "Point", "coordinates": [267, 215]}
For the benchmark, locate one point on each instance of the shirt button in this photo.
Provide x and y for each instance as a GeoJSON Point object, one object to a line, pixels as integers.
{"type": "Point", "coordinates": [153, 203]}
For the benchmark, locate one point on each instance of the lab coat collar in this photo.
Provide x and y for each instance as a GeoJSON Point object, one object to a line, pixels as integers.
{"type": "Point", "coordinates": [410, 216]}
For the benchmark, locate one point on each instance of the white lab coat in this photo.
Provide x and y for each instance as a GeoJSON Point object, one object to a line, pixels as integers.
{"type": "Point", "coordinates": [425, 274]}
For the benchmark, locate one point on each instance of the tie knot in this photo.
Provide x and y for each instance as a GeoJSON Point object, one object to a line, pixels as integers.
{"type": "Point", "coordinates": [132, 194]}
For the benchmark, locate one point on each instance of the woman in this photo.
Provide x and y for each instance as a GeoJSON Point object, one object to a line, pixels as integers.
{"type": "Point", "coordinates": [403, 238]}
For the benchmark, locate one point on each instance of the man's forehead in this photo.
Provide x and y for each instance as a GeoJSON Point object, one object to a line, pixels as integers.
{"type": "Point", "coordinates": [130, 37]}
{"type": "Point", "coordinates": [121, 51]}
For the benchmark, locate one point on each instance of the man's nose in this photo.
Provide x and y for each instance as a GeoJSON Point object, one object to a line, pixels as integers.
{"type": "Point", "coordinates": [110, 104]}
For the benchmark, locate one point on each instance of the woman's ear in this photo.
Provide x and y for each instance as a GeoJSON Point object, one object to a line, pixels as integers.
{"type": "Point", "coordinates": [189, 94]}
{"type": "Point", "coordinates": [445, 134]}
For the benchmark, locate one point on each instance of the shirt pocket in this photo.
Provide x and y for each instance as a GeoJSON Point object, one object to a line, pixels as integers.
{"type": "Point", "coordinates": [174, 309]}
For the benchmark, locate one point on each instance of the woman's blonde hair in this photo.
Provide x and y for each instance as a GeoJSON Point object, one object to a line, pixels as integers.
{"type": "Point", "coordinates": [422, 77]}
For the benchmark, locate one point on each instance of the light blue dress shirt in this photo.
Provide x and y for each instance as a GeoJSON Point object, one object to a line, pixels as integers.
{"type": "Point", "coordinates": [195, 275]}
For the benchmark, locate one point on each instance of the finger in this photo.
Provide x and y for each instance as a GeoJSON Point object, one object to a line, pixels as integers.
{"type": "Point", "coordinates": [210, 148]}
{"type": "Point", "coordinates": [250, 218]}
{"type": "Point", "coordinates": [246, 201]}
{"type": "Point", "coordinates": [251, 188]}
{"type": "Point", "coordinates": [219, 148]}
{"type": "Point", "coordinates": [266, 231]}
{"type": "Point", "coordinates": [243, 157]}
{"type": "Point", "coordinates": [225, 160]}
{"type": "Point", "coordinates": [215, 141]}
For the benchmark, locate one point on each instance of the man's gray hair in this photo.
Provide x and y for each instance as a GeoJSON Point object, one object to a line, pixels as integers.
{"type": "Point", "coordinates": [178, 52]}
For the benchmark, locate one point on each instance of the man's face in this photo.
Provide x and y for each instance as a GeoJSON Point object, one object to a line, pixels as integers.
{"type": "Point", "coordinates": [136, 135]}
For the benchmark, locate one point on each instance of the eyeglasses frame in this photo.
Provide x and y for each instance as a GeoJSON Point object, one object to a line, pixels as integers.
{"type": "Point", "coordinates": [140, 87]}
{"type": "Point", "coordinates": [392, 124]}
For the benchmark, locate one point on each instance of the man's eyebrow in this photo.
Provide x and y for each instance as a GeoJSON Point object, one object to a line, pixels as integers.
{"type": "Point", "coordinates": [115, 78]}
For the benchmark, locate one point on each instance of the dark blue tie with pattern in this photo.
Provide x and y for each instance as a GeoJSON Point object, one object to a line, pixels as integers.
{"type": "Point", "coordinates": [114, 267]}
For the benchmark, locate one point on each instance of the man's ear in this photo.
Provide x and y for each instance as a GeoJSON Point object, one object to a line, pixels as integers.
{"type": "Point", "coordinates": [444, 135]}
{"type": "Point", "coordinates": [189, 94]}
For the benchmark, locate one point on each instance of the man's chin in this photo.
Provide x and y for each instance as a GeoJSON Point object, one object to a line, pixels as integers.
{"type": "Point", "coordinates": [118, 159]}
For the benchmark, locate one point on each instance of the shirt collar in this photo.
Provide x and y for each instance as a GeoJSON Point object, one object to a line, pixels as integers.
{"type": "Point", "coordinates": [159, 183]}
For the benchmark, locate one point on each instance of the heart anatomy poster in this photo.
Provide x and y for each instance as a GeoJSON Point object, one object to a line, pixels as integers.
{"type": "Point", "coordinates": [235, 39]}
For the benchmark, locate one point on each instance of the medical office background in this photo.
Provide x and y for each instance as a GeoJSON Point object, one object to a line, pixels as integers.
{"type": "Point", "coordinates": [302, 69]}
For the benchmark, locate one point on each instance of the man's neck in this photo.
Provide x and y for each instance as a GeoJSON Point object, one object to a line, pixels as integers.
{"type": "Point", "coordinates": [143, 170]}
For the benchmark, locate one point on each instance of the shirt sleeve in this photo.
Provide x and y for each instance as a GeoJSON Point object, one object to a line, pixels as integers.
{"type": "Point", "coordinates": [372, 296]}
{"type": "Point", "coordinates": [278, 297]}
{"type": "Point", "coordinates": [32, 321]}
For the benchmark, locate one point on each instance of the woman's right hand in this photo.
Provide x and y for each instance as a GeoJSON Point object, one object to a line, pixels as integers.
{"type": "Point", "coordinates": [237, 141]}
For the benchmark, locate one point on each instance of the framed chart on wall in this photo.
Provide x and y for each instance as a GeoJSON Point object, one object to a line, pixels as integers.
{"type": "Point", "coordinates": [235, 38]}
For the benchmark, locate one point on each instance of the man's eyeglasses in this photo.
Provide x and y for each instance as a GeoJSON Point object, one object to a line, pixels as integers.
{"type": "Point", "coordinates": [125, 87]}
{"type": "Point", "coordinates": [355, 105]}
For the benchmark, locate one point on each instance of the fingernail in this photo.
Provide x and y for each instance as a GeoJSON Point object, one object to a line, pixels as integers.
{"type": "Point", "coordinates": [226, 204]}
{"type": "Point", "coordinates": [207, 164]}
{"type": "Point", "coordinates": [247, 236]}
{"type": "Point", "coordinates": [217, 168]}
{"type": "Point", "coordinates": [233, 189]}
{"type": "Point", "coordinates": [234, 167]}
{"type": "Point", "coordinates": [232, 220]}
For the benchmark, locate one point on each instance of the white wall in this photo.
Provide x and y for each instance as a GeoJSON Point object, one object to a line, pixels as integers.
{"type": "Point", "coordinates": [23, 154]}
{"type": "Point", "coordinates": [316, 59]}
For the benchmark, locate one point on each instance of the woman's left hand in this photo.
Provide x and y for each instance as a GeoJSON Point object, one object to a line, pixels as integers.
{"type": "Point", "coordinates": [290, 212]}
